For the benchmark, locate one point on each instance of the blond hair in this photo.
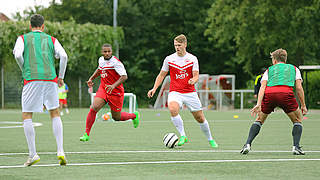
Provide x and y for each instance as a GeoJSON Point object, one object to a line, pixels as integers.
{"type": "Point", "coordinates": [279, 55]}
{"type": "Point", "coordinates": [181, 38]}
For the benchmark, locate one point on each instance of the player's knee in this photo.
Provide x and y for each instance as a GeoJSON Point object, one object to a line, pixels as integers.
{"type": "Point", "coordinates": [116, 118]}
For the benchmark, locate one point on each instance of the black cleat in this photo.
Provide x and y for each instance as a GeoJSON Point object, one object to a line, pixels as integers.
{"type": "Point", "coordinates": [246, 148]}
{"type": "Point", "coordinates": [296, 150]}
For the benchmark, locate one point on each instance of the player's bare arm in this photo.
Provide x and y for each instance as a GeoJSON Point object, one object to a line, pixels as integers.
{"type": "Point", "coordinates": [157, 83]}
{"type": "Point", "coordinates": [256, 109]}
{"type": "Point", "coordinates": [195, 77]}
{"type": "Point", "coordinates": [109, 88]}
{"type": "Point", "coordinates": [300, 94]}
{"type": "Point", "coordinates": [92, 77]}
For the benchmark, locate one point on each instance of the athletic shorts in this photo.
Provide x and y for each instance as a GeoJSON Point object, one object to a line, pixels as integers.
{"type": "Point", "coordinates": [284, 100]}
{"type": "Point", "coordinates": [35, 94]}
{"type": "Point", "coordinates": [115, 101]}
{"type": "Point", "coordinates": [191, 100]}
{"type": "Point", "coordinates": [63, 101]}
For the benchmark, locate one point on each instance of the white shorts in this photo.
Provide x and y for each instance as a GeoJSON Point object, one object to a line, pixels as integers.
{"type": "Point", "coordinates": [191, 100]}
{"type": "Point", "coordinates": [35, 94]}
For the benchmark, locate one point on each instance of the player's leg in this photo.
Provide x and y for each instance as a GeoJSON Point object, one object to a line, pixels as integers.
{"type": "Point", "coordinates": [174, 104]}
{"type": "Point", "coordinates": [296, 119]}
{"type": "Point", "coordinates": [254, 131]}
{"type": "Point", "coordinates": [52, 104]}
{"type": "Point", "coordinates": [116, 103]}
{"type": "Point", "coordinates": [66, 106]}
{"type": "Point", "coordinates": [193, 103]}
{"type": "Point", "coordinates": [98, 103]}
{"type": "Point", "coordinates": [30, 137]}
{"type": "Point", "coordinates": [31, 103]}
{"type": "Point", "coordinates": [204, 126]}
{"type": "Point", "coordinates": [61, 107]}
{"type": "Point", "coordinates": [269, 102]}
{"type": "Point", "coordinates": [58, 133]}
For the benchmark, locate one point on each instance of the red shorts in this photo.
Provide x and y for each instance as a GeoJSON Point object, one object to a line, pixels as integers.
{"type": "Point", "coordinates": [284, 100]}
{"type": "Point", "coordinates": [115, 101]}
{"type": "Point", "coordinates": [63, 101]}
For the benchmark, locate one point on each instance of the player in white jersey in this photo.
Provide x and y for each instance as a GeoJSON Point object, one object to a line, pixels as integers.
{"type": "Point", "coordinates": [184, 73]}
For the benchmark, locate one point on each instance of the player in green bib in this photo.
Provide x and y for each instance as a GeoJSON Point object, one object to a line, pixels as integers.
{"type": "Point", "coordinates": [35, 54]}
{"type": "Point", "coordinates": [277, 91]}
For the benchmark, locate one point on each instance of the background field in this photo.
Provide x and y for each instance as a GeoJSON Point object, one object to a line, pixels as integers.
{"type": "Point", "coordinates": [118, 151]}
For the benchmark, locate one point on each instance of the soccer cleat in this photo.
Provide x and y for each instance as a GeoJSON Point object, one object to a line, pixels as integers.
{"type": "Point", "coordinates": [85, 137]}
{"type": "Point", "coordinates": [296, 150]}
{"type": "Point", "coordinates": [62, 159]}
{"type": "Point", "coordinates": [182, 140]}
{"type": "Point", "coordinates": [136, 120]}
{"type": "Point", "coordinates": [32, 161]}
{"type": "Point", "coordinates": [246, 148]}
{"type": "Point", "coordinates": [213, 143]}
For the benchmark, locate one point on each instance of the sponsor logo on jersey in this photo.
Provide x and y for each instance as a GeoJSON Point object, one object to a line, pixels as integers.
{"type": "Point", "coordinates": [183, 74]}
{"type": "Point", "coordinates": [103, 74]}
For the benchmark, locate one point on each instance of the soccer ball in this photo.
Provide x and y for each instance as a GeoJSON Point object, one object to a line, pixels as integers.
{"type": "Point", "coordinates": [170, 140]}
{"type": "Point", "coordinates": [106, 116]}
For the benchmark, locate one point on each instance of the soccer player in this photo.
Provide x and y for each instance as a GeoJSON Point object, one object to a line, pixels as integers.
{"type": "Point", "coordinates": [277, 91]}
{"type": "Point", "coordinates": [257, 83]}
{"type": "Point", "coordinates": [111, 92]}
{"type": "Point", "coordinates": [63, 90]}
{"type": "Point", "coordinates": [184, 73]}
{"type": "Point", "coordinates": [34, 53]}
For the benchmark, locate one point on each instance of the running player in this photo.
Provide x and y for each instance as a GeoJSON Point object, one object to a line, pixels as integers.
{"type": "Point", "coordinates": [34, 53]}
{"type": "Point", "coordinates": [111, 91]}
{"type": "Point", "coordinates": [277, 91]}
{"type": "Point", "coordinates": [184, 73]}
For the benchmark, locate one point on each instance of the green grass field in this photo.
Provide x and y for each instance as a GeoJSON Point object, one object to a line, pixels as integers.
{"type": "Point", "coordinates": [119, 151]}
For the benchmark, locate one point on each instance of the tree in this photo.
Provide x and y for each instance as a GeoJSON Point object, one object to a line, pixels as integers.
{"type": "Point", "coordinates": [250, 30]}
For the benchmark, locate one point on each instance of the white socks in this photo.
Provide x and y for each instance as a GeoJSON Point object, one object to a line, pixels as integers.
{"type": "Point", "coordinates": [30, 136]}
{"type": "Point", "coordinates": [205, 129]}
{"type": "Point", "coordinates": [58, 133]}
{"type": "Point", "coordinates": [177, 121]}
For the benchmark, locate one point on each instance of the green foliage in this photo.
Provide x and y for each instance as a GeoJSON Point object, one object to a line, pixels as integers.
{"type": "Point", "coordinates": [81, 42]}
{"type": "Point", "coordinates": [249, 30]}
{"type": "Point", "coordinates": [313, 91]}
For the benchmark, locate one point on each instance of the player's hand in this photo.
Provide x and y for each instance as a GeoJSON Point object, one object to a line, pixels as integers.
{"type": "Point", "coordinates": [109, 88]}
{"type": "Point", "coordinates": [255, 110]}
{"type": "Point", "coordinates": [90, 83]}
{"type": "Point", "coordinates": [304, 110]}
{"type": "Point", "coordinates": [191, 81]}
{"type": "Point", "coordinates": [60, 82]}
{"type": "Point", "coordinates": [151, 93]}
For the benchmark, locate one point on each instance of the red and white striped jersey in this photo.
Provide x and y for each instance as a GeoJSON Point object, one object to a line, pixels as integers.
{"type": "Point", "coordinates": [181, 71]}
{"type": "Point", "coordinates": [110, 72]}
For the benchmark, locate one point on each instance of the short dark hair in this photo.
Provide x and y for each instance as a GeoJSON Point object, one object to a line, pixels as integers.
{"type": "Point", "coordinates": [107, 45]}
{"type": "Point", "coordinates": [36, 20]}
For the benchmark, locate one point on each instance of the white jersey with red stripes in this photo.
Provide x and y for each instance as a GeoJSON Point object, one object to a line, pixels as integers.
{"type": "Point", "coordinates": [181, 71]}
{"type": "Point", "coordinates": [110, 72]}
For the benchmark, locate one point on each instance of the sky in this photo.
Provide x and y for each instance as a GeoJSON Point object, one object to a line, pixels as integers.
{"type": "Point", "coordinates": [9, 7]}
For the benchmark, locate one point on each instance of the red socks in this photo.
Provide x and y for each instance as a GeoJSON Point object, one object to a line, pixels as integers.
{"type": "Point", "coordinates": [90, 120]}
{"type": "Point", "coordinates": [126, 116]}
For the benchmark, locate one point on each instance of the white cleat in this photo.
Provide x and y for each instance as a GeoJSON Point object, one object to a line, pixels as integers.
{"type": "Point", "coordinates": [32, 161]}
{"type": "Point", "coordinates": [62, 159]}
{"type": "Point", "coordinates": [246, 148]}
{"type": "Point", "coordinates": [296, 150]}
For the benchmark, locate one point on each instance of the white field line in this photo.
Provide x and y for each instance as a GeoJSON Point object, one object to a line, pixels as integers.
{"type": "Point", "coordinates": [164, 162]}
{"type": "Point", "coordinates": [168, 151]}
{"type": "Point", "coordinates": [11, 122]}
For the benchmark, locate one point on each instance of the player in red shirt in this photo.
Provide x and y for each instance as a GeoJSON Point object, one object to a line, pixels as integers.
{"type": "Point", "coordinates": [184, 73]}
{"type": "Point", "coordinates": [111, 91]}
